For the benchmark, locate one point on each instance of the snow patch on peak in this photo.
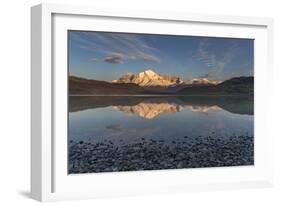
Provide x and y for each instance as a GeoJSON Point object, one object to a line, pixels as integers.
{"type": "Point", "coordinates": [149, 71]}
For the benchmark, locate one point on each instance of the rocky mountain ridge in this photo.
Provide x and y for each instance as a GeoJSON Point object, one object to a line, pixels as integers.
{"type": "Point", "coordinates": [150, 78]}
{"type": "Point", "coordinates": [151, 83]}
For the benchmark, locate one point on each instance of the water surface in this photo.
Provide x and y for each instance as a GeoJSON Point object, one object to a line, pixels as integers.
{"type": "Point", "coordinates": [191, 126]}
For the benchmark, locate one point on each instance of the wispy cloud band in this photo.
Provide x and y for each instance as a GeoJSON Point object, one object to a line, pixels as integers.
{"type": "Point", "coordinates": [116, 47]}
{"type": "Point", "coordinates": [214, 61]}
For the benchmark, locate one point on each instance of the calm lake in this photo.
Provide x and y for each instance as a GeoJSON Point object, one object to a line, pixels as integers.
{"type": "Point", "coordinates": [104, 129]}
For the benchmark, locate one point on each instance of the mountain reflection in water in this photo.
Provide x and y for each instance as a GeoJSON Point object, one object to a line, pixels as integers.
{"type": "Point", "coordinates": [150, 107]}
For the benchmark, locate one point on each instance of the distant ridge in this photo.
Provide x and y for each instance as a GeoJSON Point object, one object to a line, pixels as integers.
{"type": "Point", "coordinates": [236, 85]}
{"type": "Point", "coordinates": [84, 86]}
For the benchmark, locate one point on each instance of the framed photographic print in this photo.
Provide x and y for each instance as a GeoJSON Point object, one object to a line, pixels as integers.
{"type": "Point", "coordinates": [137, 102]}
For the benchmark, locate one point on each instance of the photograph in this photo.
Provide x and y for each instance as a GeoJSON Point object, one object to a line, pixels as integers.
{"type": "Point", "coordinates": [139, 101]}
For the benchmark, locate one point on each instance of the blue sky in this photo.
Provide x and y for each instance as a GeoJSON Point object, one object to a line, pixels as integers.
{"type": "Point", "coordinates": [107, 56]}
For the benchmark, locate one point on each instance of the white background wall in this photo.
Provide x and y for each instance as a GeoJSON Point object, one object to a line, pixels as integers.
{"type": "Point", "coordinates": [15, 95]}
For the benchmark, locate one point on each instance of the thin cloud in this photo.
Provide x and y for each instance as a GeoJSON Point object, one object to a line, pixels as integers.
{"type": "Point", "coordinates": [115, 58]}
{"type": "Point", "coordinates": [203, 55]}
{"type": "Point", "coordinates": [215, 62]}
{"type": "Point", "coordinates": [130, 46]}
{"type": "Point", "coordinates": [150, 58]}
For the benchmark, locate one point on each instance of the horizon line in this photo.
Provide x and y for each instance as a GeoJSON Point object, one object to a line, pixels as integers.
{"type": "Point", "coordinates": [89, 78]}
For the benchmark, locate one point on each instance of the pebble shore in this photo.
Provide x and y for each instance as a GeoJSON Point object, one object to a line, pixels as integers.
{"type": "Point", "coordinates": [149, 154]}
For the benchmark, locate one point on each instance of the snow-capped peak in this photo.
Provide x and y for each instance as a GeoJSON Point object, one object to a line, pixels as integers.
{"type": "Point", "coordinates": [149, 73]}
{"type": "Point", "coordinates": [148, 78]}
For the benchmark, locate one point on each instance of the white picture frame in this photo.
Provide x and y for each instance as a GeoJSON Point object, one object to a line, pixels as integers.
{"type": "Point", "coordinates": [49, 180]}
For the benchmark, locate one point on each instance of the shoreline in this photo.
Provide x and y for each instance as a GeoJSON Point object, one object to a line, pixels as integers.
{"type": "Point", "coordinates": [199, 152]}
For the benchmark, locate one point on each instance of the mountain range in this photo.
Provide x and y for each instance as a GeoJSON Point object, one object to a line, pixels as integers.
{"type": "Point", "coordinates": [149, 82]}
{"type": "Point", "coordinates": [149, 78]}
